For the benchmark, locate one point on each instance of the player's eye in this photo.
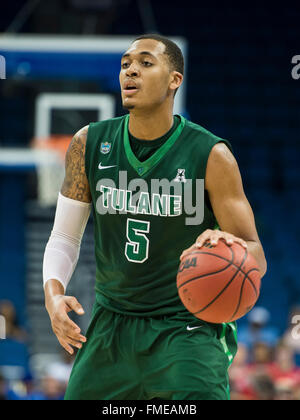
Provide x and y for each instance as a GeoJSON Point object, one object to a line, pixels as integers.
{"type": "Point", "coordinates": [125, 65]}
{"type": "Point", "coordinates": [147, 63]}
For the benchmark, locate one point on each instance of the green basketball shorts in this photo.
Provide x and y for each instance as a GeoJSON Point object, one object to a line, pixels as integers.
{"type": "Point", "coordinates": [170, 358]}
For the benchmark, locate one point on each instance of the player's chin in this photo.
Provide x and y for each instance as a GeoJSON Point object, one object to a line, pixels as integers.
{"type": "Point", "coordinates": [128, 103]}
{"type": "Point", "coordinates": [128, 106]}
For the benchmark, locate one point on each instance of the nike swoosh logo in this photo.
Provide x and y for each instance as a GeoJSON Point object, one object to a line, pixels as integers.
{"type": "Point", "coordinates": [105, 167]}
{"type": "Point", "coordinates": [193, 328]}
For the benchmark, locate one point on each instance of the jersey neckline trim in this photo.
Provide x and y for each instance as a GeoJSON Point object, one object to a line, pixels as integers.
{"type": "Point", "coordinates": [143, 167]}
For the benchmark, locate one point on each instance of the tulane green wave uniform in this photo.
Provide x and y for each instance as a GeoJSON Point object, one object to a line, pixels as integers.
{"type": "Point", "coordinates": [142, 343]}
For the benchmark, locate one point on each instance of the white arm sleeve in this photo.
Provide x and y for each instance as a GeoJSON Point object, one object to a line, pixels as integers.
{"type": "Point", "coordinates": [62, 250]}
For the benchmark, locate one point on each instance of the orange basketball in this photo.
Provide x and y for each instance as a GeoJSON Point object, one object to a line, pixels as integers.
{"type": "Point", "coordinates": [219, 283]}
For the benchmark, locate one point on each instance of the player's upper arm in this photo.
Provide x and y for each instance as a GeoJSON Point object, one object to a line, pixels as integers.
{"type": "Point", "coordinates": [75, 185]}
{"type": "Point", "coordinates": [225, 189]}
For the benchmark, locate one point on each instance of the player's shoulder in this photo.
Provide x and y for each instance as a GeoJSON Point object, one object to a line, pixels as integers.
{"type": "Point", "coordinates": [104, 124]}
{"type": "Point", "coordinates": [78, 142]}
{"type": "Point", "coordinates": [107, 132]}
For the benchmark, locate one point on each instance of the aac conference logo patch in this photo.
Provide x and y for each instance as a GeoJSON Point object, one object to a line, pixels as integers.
{"type": "Point", "coordinates": [105, 147]}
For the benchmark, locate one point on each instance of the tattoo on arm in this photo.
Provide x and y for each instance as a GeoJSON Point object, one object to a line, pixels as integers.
{"type": "Point", "coordinates": [76, 184]}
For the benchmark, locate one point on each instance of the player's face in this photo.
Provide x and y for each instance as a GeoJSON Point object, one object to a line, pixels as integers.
{"type": "Point", "coordinates": [145, 75]}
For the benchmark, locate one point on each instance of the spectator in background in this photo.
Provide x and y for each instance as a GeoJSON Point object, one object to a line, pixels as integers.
{"type": "Point", "coordinates": [49, 388]}
{"type": "Point", "coordinates": [51, 378]}
{"type": "Point", "coordinates": [284, 372]}
{"type": "Point", "coordinates": [263, 387]}
{"type": "Point", "coordinates": [272, 375]}
{"type": "Point", "coordinates": [13, 330]}
{"type": "Point", "coordinates": [262, 359]}
{"type": "Point", "coordinates": [14, 355]}
{"type": "Point", "coordinates": [284, 389]}
{"type": "Point", "coordinates": [240, 383]}
{"type": "Point", "coordinates": [258, 330]}
{"type": "Point", "coordinates": [3, 395]}
{"type": "Point", "coordinates": [61, 370]}
{"type": "Point", "coordinates": [251, 380]}
{"type": "Point", "coordinates": [6, 393]}
{"type": "Point", "coordinates": [263, 355]}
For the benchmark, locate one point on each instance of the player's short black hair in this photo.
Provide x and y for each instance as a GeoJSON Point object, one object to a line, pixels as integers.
{"type": "Point", "coordinates": [172, 50]}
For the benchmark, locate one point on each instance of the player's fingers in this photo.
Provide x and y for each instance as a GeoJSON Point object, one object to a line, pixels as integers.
{"type": "Point", "coordinates": [70, 329]}
{"type": "Point", "coordinates": [214, 238]}
{"type": "Point", "coordinates": [66, 346]}
{"type": "Point", "coordinates": [75, 336]}
{"type": "Point", "coordinates": [203, 238]}
{"type": "Point", "coordinates": [228, 238]}
{"type": "Point", "coordinates": [64, 326]}
{"type": "Point", "coordinates": [67, 324]}
{"type": "Point", "coordinates": [73, 342]}
{"type": "Point", "coordinates": [61, 319]}
{"type": "Point", "coordinates": [74, 305]}
{"type": "Point", "coordinates": [241, 241]}
{"type": "Point", "coordinates": [187, 251]}
{"type": "Point", "coordinates": [64, 338]}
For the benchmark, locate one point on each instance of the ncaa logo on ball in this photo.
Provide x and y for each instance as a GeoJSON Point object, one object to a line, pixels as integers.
{"type": "Point", "coordinates": [105, 148]}
{"type": "Point", "coordinates": [190, 262]}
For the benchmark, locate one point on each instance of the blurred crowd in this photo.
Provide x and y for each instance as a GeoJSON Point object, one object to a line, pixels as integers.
{"type": "Point", "coordinates": [266, 366]}
{"type": "Point", "coordinates": [29, 377]}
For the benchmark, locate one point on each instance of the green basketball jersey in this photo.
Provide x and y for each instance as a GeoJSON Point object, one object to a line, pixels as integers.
{"type": "Point", "coordinates": [146, 213]}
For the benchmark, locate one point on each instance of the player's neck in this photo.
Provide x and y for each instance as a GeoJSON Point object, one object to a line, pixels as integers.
{"type": "Point", "coordinates": [150, 126]}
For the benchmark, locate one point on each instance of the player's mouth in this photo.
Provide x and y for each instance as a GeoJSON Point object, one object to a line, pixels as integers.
{"type": "Point", "coordinates": [130, 91]}
{"type": "Point", "coordinates": [130, 88]}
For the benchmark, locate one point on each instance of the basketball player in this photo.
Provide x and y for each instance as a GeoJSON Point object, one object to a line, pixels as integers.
{"type": "Point", "coordinates": [142, 343]}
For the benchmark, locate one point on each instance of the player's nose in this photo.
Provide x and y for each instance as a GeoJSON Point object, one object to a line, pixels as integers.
{"type": "Point", "coordinates": [132, 70]}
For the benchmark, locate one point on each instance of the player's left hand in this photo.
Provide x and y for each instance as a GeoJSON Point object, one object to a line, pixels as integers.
{"type": "Point", "coordinates": [213, 237]}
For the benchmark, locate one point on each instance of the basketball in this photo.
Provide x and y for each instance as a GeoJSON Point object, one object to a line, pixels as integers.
{"type": "Point", "coordinates": [219, 283]}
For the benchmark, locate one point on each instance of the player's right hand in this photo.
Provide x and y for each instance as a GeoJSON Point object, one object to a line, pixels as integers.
{"type": "Point", "coordinates": [66, 331]}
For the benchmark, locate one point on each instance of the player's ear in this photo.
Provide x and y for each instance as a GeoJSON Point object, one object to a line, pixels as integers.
{"type": "Point", "coordinates": [176, 80]}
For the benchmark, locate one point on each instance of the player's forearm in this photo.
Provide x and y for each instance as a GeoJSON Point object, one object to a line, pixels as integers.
{"type": "Point", "coordinates": [53, 288]}
{"type": "Point", "coordinates": [63, 248]}
{"type": "Point", "coordinates": [257, 251]}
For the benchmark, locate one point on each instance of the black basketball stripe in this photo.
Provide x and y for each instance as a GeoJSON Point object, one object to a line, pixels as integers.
{"type": "Point", "coordinates": [240, 299]}
{"type": "Point", "coordinates": [251, 282]}
{"type": "Point", "coordinates": [241, 291]}
{"type": "Point", "coordinates": [242, 287]}
{"type": "Point", "coordinates": [227, 285]}
{"type": "Point", "coordinates": [210, 274]}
